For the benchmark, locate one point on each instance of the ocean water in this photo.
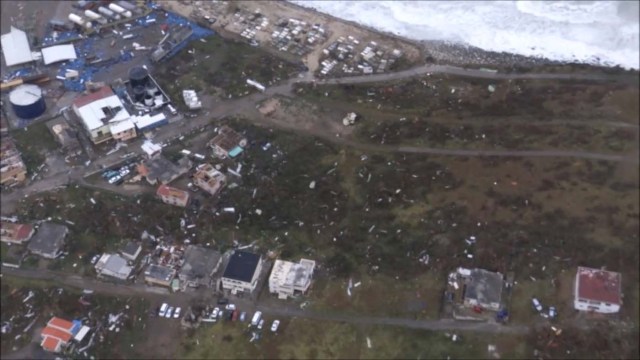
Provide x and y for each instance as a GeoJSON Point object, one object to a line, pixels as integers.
{"type": "Point", "coordinates": [594, 32]}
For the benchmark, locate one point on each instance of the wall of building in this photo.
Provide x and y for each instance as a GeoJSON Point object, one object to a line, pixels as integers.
{"type": "Point", "coordinates": [172, 200]}
{"type": "Point", "coordinates": [154, 281]}
{"type": "Point", "coordinates": [596, 306]}
{"type": "Point", "coordinates": [125, 135]}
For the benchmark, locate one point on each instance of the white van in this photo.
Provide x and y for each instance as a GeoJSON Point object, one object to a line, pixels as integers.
{"type": "Point", "coordinates": [199, 156]}
{"type": "Point", "coordinates": [163, 309]}
{"type": "Point", "coordinates": [256, 318]}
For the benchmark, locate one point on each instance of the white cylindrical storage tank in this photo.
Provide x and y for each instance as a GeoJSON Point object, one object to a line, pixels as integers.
{"type": "Point", "coordinates": [126, 13]}
{"type": "Point", "coordinates": [127, 5]}
{"type": "Point", "coordinates": [116, 8]}
{"type": "Point", "coordinates": [106, 12]}
{"type": "Point", "coordinates": [27, 101]}
{"type": "Point", "coordinates": [76, 19]}
{"type": "Point", "coordinates": [91, 15]}
{"type": "Point", "coordinates": [148, 100]}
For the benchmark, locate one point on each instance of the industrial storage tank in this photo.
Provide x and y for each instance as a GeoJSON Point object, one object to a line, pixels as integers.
{"type": "Point", "coordinates": [138, 94]}
{"type": "Point", "coordinates": [148, 100]}
{"type": "Point", "coordinates": [151, 88]}
{"type": "Point", "coordinates": [27, 101]}
{"type": "Point", "coordinates": [108, 13]}
{"type": "Point", "coordinates": [138, 76]}
{"type": "Point", "coordinates": [116, 8]}
{"type": "Point", "coordinates": [94, 16]}
{"type": "Point", "coordinates": [79, 21]}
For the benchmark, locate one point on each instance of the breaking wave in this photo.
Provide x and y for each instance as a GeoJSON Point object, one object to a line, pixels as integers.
{"type": "Point", "coordinates": [594, 32]}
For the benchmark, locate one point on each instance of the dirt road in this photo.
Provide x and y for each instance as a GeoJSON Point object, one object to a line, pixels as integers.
{"type": "Point", "coordinates": [476, 73]}
{"type": "Point", "coordinates": [282, 309]}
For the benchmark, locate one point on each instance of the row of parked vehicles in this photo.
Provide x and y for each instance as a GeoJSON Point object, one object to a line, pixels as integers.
{"type": "Point", "coordinates": [168, 311]}
{"type": "Point", "coordinates": [230, 312]}
{"type": "Point", "coordinates": [118, 175]}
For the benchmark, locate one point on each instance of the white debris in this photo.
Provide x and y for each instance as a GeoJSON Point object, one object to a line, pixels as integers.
{"type": "Point", "coordinates": [92, 201]}
{"type": "Point", "coordinates": [368, 342]}
{"type": "Point", "coordinates": [258, 212]}
{"type": "Point", "coordinates": [312, 185]}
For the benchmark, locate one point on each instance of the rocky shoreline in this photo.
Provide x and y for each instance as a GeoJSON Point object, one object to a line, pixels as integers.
{"type": "Point", "coordinates": [449, 53]}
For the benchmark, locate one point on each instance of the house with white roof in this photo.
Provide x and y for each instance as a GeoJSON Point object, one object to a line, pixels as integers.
{"type": "Point", "coordinates": [104, 116]}
{"type": "Point", "coordinates": [15, 48]}
{"type": "Point", "coordinates": [287, 277]}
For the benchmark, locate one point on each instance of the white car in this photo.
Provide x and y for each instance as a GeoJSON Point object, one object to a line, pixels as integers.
{"type": "Point", "coordinates": [169, 312]}
{"type": "Point", "coordinates": [115, 179]}
{"type": "Point", "coordinates": [260, 324]}
{"type": "Point", "coordinates": [274, 326]}
{"type": "Point", "coordinates": [176, 314]}
{"type": "Point", "coordinates": [214, 314]}
{"type": "Point", "coordinates": [536, 304]}
{"type": "Point", "coordinates": [231, 307]}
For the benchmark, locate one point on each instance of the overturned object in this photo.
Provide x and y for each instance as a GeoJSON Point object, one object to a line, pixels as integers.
{"type": "Point", "coordinates": [350, 119]}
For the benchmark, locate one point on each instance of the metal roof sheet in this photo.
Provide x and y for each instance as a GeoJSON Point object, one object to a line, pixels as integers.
{"type": "Point", "coordinates": [54, 54]}
{"type": "Point", "coordinates": [15, 47]}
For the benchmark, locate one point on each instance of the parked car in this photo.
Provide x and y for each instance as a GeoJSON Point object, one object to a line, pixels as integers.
{"type": "Point", "coordinates": [113, 180]}
{"type": "Point", "coordinates": [266, 146]}
{"type": "Point", "coordinates": [274, 326]}
{"type": "Point", "coordinates": [243, 316]}
{"type": "Point", "coordinates": [260, 324]}
{"type": "Point", "coordinates": [176, 314]}
{"type": "Point", "coordinates": [234, 317]}
{"type": "Point", "coordinates": [552, 312]}
{"type": "Point", "coordinates": [163, 309]}
{"type": "Point", "coordinates": [124, 171]}
{"type": "Point", "coordinates": [536, 304]}
{"type": "Point", "coordinates": [214, 314]}
{"type": "Point", "coordinates": [169, 312]}
{"type": "Point", "coordinates": [109, 173]}
{"type": "Point", "coordinates": [230, 307]}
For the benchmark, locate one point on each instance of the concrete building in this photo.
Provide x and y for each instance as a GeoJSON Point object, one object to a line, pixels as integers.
{"type": "Point", "coordinates": [48, 240]}
{"type": "Point", "coordinates": [113, 265]}
{"type": "Point", "coordinates": [199, 265]}
{"type": "Point", "coordinates": [160, 170]}
{"type": "Point", "coordinates": [13, 233]}
{"type": "Point", "coordinates": [482, 288]}
{"type": "Point", "coordinates": [228, 143]}
{"type": "Point", "coordinates": [173, 196]}
{"type": "Point", "coordinates": [12, 169]}
{"type": "Point", "coordinates": [159, 275]}
{"type": "Point", "coordinates": [151, 150]}
{"type": "Point", "coordinates": [242, 272]}
{"type": "Point", "coordinates": [104, 116]}
{"type": "Point", "coordinates": [131, 251]}
{"type": "Point", "coordinates": [597, 290]}
{"type": "Point", "coordinates": [209, 179]}
{"type": "Point", "coordinates": [287, 277]}
{"type": "Point", "coordinates": [58, 333]}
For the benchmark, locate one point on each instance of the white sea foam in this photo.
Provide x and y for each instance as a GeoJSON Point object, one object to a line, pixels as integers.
{"type": "Point", "coordinates": [595, 32]}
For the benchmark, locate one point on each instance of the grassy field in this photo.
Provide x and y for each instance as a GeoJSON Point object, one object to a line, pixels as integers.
{"type": "Point", "coordinates": [309, 339]}
{"type": "Point", "coordinates": [34, 142]}
{"type": "Point", "coordinates": [221, 67]}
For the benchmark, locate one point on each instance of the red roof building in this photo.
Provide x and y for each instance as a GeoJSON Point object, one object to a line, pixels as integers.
{"type": "Point", "coordinates": [173, 196]}
{"type": "Point", "coordinates": [57, 334]}
{"type": "Point", "coordinates": [598, 290]}
{"type": "Point", "coordinates": [15, 233]}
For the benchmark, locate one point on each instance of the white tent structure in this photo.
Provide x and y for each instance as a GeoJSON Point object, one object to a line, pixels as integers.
{"type": "Point", "coordinates": [57, 53]}
{"type": "Point", "coordinates": [15, 47]}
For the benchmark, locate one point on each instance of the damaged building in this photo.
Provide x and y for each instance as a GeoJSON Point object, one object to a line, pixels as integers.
{"type": "Point", "coordinates": [242, 272]}
{"type": "Point", "coordinates": [161, 170]}
{"type": "Point", "coordinates": [209, 179]}
{"type": "Point", "coordinates": [199, 265]}
{"type": "Point", "coordinates": [159, 275]}
{"type": "Point", "coordinates": [480, 288]}
{"type": "Point", "coordinates": [113, 266]}
{"type": "Point", "coordinates": [173, 196]}
{"type": "Point", "coordinates": [12, 169]}
{"type": "Point", "coordinates": [48, 240]}
{"type": "Point", "coordinates": [104, 116]}
{"type": "Point", "coordinates": [65, 136]}
{"type": "Point", "coordinates": [13, 233]}
{"type": "Point", "coordinates": [227, 143]}
{"type": "Point", "coordinates": [597, 290]}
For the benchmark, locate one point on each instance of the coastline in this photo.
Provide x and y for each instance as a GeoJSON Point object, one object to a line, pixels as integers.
{"type": "Point", "coordinates": [459, 54]}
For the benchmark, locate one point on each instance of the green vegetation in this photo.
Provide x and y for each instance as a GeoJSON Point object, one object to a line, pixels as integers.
{"type": "Point", "coordinates": [311, 339]}
{"type": "Point", "coordinates": [34, 142]}
{"type": "Point", "coordinates": [221, 67]}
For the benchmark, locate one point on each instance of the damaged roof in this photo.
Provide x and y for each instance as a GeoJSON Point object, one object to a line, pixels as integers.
{"type": "Point", "coordinates": [48, 239]}
{"type": "Point", "coordinates": [599, 285]}
{"type": "Point", "coordinates": [199, 262]}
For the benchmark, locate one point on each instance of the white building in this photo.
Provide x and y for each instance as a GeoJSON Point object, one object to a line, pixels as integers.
{"type": "Point", "coordinates": [242, 272]}
{"type": "Point", "coordinates": [597, 290]}
{"type": "Point", "coordinates": [288, 277]}
{"type": "Point", "coordinates": [113, 265]}
{"type": "Point", "coordinates": [104, 116]}
{"type": "Point", "coordinates": [15, 48]}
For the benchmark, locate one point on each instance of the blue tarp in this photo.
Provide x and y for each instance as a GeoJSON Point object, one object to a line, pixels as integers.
{"type": "Point", "coordinates": [77, 325]}
{"type": "Point", "coordinates": [235, 151]}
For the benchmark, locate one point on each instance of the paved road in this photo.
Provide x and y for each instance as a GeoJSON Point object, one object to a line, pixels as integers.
{"type": "Point", "coordinates": [283, 310]}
